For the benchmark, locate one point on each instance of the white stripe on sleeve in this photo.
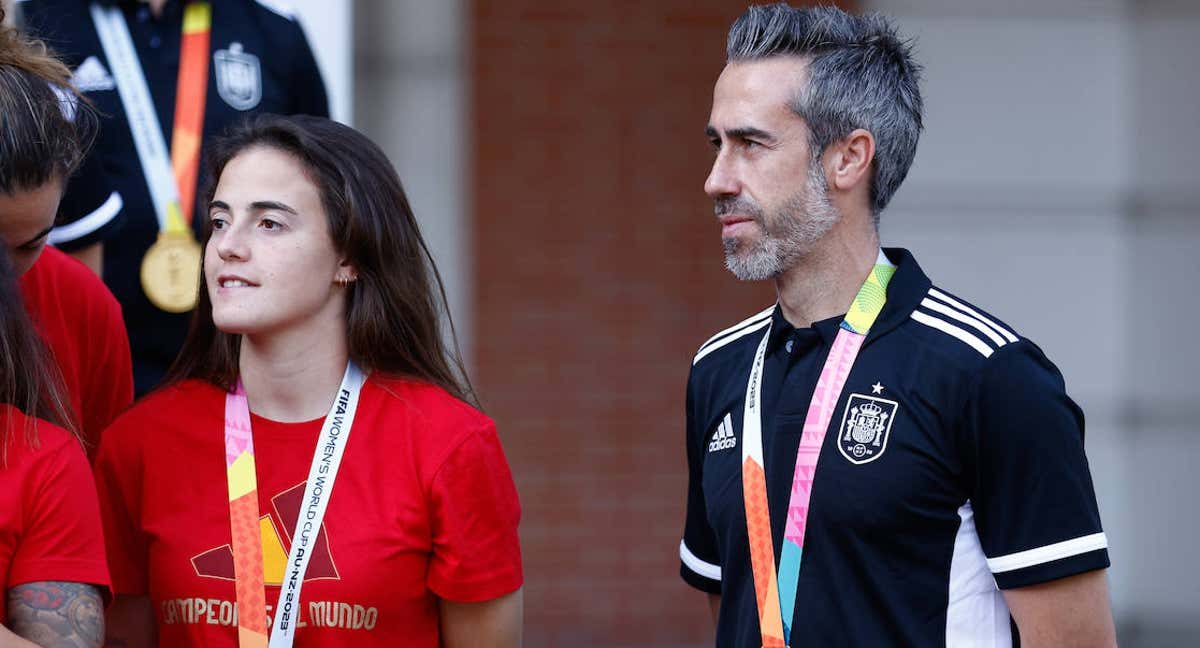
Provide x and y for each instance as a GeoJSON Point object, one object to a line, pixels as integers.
{"type": "Point", "coordinates": [1048, 553]}
{"type": "Point", "coordinates": [737, 336]}
{"type": "Point", "coordinates": [1008, 335]}
{"type": "Point", "coordinates": [102, 216]}
{"type": "Point", "coordinates": [753, 319]}
{"type": "Point", "coordinates": [939, 307]}
{"type": "Point", "coordinates": [954, 331]}
{"type": "Point", "coordinates": [705, 569]}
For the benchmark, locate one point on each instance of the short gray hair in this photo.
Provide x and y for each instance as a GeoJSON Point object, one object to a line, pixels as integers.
{"type": "Point", "coordinates": [861, 74]}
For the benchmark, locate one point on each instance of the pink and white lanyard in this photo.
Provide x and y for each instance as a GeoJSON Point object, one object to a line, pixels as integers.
{"type": "Point", "coordinates": [776, 591]}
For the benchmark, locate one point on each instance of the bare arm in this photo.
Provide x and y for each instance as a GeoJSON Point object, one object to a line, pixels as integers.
{"type": "Point", "coordinates": [10, 640]}
{"type": "Point", "coordinates": [1070, 612]}
{"type": "Point", "coordinates": [495, 623]}
{"type": "Point", "coordinates": [57, 614]}
{"type": "Point", "coordinates": [131, 623]}
{"type": "Point", "coordinates": [714, 602]}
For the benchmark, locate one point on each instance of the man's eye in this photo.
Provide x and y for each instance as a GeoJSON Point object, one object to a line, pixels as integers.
{"type": "Point", "coordinates": [269, 224]}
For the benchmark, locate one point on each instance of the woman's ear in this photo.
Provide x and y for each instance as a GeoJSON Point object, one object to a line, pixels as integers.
{"type": "Point", "coordinates": [346, 273]}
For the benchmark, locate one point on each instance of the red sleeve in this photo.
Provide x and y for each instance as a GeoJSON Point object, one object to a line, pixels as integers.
{"type": "Point", "coordinates": [109, 390]}
{"type": "Point", "coordinates": [81, 322]}
{"type": "Point", "coordinates": [476, 553]}
{"type": "Point", "coordinates": [119, 473]}
{"type": "Point", "coordinates": [62, 539]}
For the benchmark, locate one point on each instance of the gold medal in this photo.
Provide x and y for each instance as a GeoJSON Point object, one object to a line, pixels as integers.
{"type": "Point", "coordinates": [171, 271]}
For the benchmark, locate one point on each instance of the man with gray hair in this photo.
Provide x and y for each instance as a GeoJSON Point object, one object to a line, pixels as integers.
{"type": "Point", "coordinates": [872, 461]}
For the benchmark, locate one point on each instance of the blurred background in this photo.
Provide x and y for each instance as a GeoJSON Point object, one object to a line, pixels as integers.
{"type": "Point", "coordinates": [554, 153]}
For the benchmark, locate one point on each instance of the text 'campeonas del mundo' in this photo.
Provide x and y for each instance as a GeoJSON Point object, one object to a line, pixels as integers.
{"type": "Point", "coordinates": [320, 614]}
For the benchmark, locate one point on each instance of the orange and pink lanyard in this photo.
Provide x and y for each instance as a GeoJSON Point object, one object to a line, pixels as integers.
{"type": "Point", "coordinates": [245, 525]}
{"type": "Point", "coordinates": [774, 591]}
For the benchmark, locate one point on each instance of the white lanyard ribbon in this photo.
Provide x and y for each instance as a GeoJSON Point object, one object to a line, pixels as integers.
{"type": "Point", "coordinates": [147, 133]}
{"type": "Point", "coordinates": [327, 458]}
{"type": "Point", "coordinates": [752, 446]}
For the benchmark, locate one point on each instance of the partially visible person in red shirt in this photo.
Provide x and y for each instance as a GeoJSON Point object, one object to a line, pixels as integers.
{"type": "Point", "coordinates": [46, 129]}
{"type": "Point", "coordinates": [52, 568]}
{"type": "Point", "coordinates": [81, 322]}
{"type": "Point", "coordinates": [313, 266]}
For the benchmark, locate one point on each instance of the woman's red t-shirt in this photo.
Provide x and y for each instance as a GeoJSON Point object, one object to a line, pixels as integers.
{"type": "Point", "coordinates": [49, 521]}
{"type": "Point", "coordinates": [424, 507]}
{"type": "Point", "coordinates": [80, 321]}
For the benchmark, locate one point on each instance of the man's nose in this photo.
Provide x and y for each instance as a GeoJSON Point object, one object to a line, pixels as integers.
{"type": "Point", "coordinates": [722, 179]}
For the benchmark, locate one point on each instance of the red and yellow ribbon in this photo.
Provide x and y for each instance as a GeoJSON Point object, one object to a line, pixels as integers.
{"type": "Point", "coordinates": [243, 522]}
{"type": "Point", "coordinates": [190, 92]}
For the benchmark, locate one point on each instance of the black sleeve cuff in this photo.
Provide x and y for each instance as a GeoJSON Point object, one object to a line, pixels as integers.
{"type": "Point", "coordinates": [701, 583]}
{"type": "Point", "coordinates": [1053, 570]}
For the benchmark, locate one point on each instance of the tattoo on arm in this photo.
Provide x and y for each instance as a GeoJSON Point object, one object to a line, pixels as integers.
{"type": "Point", "coordinates": [57, 614]}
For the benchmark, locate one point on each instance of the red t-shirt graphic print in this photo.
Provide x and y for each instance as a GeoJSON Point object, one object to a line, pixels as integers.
{"type": "Point", "coordinates": [424, 507]}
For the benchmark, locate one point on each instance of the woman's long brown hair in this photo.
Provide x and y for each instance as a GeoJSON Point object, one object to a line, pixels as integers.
{"type": "Point", "coordinates": [40, 141]}
{"type": "Point", "coordinates": [394, 308]}
{"type": "Point", "coordinates": [45, 125]}
{"type": "Point", "coordinates": [29, 380]}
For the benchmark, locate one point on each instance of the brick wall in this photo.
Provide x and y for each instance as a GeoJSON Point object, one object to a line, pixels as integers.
{"type": "Point", "coordinates": [597, 274]}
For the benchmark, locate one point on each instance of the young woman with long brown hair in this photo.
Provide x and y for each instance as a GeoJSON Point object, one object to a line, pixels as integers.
{"type": "Point", "coordinates": [314, 358]}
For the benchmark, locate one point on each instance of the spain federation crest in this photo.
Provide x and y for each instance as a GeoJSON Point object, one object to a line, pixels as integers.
{"type": "Point", "coordinates": [239, 77]}
{"type": "Point", "coordinates": [866, 426]}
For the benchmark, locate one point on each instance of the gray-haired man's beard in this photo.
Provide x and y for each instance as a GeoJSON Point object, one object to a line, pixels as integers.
{"type": "Point", "coordinates": [761, 259]}
{"type": "Point", "coordinates": [791, 233]}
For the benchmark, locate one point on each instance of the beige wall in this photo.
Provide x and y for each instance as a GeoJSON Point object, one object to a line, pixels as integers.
{"type": "Point", "coordinates": [409, 76]}
{"type": "Point", "coordinates": [1056, 185]}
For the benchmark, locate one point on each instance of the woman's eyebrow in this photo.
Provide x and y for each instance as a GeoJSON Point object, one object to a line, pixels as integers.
{"type": "Point", "coordinates": [258, 205]}
{"type": "Point", "coordinates": [271, 205]}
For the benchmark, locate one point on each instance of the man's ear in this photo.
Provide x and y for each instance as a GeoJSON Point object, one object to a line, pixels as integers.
{"type": "Point", "coordinates": [848, 161]}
